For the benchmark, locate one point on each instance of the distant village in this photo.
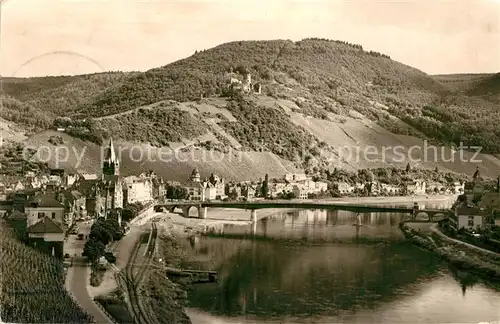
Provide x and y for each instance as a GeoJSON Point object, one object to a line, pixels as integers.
{"type": "Point", "coordinates": [47, 206]}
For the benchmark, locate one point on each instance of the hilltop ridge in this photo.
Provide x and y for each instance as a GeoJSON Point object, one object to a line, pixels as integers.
{"type": "Point", "coordinates": [317, 95]}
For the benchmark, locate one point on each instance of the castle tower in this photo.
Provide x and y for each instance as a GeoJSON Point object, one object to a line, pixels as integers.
{"type": "Point", "coordinates": [110, 165]}
{"type": "Point", "coordinates": [195, 176]}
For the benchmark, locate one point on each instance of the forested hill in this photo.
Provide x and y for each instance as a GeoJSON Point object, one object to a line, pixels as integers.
{"type": "Point", "coordinates": [35, 102]}
{"type": "Point", "coordinates": [320, 76]}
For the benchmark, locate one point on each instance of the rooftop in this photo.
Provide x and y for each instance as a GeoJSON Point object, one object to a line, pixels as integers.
{"type": "Point", "coordinates": [46, 225]}
{"type": "Point", "coordinates": [17, 215]}
{"type": "Point", "coordinates": [45, 201]}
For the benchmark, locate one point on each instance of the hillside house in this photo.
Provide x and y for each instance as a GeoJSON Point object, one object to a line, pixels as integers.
{"type": "Point", "coordinates": [344, 188]}
{"type": "Point", "coordinates": [388, 189]}
{"type": "Point", "coordinates": [47, 236]}
{"type": "Point", "coordinates": [417, 187]}
{"type": "Point", "coordinates": [458, 188]}
{"type": "Point", "coordinates": [435, 187]}
{"type": "Point", "coordinates": [279, 187]}
{"type": "Point", "coordinates": [295, 177]}
{"type": "Point", "coordinates": [469, 217]}
{"type": "Point", "coordinates": [300, 192]}
{"type": "Point", "coordinates": [314, 187]}
{"type": "Point", "coordinates": [44, 206]}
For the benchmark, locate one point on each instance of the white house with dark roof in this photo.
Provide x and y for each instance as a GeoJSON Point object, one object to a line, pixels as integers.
{"type": "Point", "coordinates": [40, 207]}
{"type": "Point", "coordinates": [47, 230]}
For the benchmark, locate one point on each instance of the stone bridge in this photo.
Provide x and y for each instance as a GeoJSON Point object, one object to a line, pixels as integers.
{"type": "Point", "coordinates": [253, 206]}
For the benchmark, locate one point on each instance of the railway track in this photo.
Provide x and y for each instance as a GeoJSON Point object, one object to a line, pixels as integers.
{"type": "Point", "coordinates": [132, 280]}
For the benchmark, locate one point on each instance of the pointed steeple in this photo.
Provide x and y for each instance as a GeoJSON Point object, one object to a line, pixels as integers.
{"type": "Point", "coordinates": [110, 164]}
{"type": "Point", "coordinates": [110, 152]}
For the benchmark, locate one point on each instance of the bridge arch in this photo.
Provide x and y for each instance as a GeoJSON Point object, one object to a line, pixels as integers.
{"type": "Point", "coordinates": [188, 210]}
{"type": "Point", "coordinates": [437, 216]}
{"type": "Point", "coordinates": [422, 216]}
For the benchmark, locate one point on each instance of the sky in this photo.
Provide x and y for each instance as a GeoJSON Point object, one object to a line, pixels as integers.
{"type": "Point", "coordinates": [54, 37]}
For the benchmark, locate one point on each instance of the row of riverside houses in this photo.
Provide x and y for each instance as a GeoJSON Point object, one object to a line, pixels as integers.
{"type": "Point", "coordinates": [415, 187]}
{"type": "Point", "coordinates": [299, 184]}
{"type": "Point", "coordinates": [44, 210]}
{"type": "Point", "coordinates": [216, 188]}
{"type": "Point", "coordinates": [478, 207]}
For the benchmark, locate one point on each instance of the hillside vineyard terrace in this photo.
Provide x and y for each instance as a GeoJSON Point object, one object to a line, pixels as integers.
{"type": "Point", "coordinates": [426, 153]}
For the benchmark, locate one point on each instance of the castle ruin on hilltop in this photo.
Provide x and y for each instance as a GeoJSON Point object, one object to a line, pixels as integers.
{"type": "Point", "coordinates": [245, 84]}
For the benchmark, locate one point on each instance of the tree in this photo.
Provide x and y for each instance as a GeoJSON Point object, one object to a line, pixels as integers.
{"type": "Point", "coordinates": [128, 214]}
{"type": "Point", "coordinates": [100, 232]}
{"type": "Point", "coordinates": [408, 168]}
{"type": "Point", "coordinates": [233, 195]}
{"type": "Point", "coordinates": [265, 186]}
{"type": "Point", "coordinates": [178, 192]}
{"type": "Point", "coordinates": [93, 249]}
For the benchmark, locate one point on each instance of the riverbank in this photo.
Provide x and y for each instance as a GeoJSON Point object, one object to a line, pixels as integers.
{"type": "Point", "coordinates": [215, 221]}
{"type": "Point", "coordinates": [482, 263]}
{"type": "Point", "coordinates": [391, 199]}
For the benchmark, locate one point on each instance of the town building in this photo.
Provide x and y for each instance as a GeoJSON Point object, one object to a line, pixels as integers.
{"type": "Point", "coordinates": [458, 188]}
{"type": "Point", "coordinates": [300, 192]}
{"type": "Point", "coordinates": [469, 217]}
{"type": "Point", "coordinates": [389, 190]}
{"type": "Point", "coordinates": [112, 183]}
{"type": "Point", "coordinates": [220, 186]}
{"type": "Point", "coordinates": [417, 187]}
{"type": "Point", "coordinates": [248, 191]}
{"type": "Point", "coordinates": [210, 191]}
{"type": "Point", "coordinates": [44, 206]}
{"type": "Point", "coordinates": [234, 190]}
{"type": "Point", "coordinates": [47, 236]}
{"type": "Point", "coordinates": [103, 194]}
{"type": "Point", "coordinates": [74, 206]}
{"type": "Point", "coordinates": [138, 189]}
{"type": "Point", "coordinates": [194, 187]}
{"type": "Point", "coordinates": [344, 188]}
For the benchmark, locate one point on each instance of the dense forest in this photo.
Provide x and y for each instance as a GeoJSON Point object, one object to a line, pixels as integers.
{"type": "Point", "coordinates": [332, 76]}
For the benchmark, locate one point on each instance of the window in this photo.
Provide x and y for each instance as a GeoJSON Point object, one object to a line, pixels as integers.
{"type": "Point", "coordinates": [53, 215]}
{"type": "Point", "coordinates": [41, 215]}
{"type": "Point", "coordinates": [471, 223]}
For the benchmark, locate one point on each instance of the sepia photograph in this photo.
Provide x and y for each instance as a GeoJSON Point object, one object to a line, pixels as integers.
{"type": "Point", "coordinates": [250, 161]}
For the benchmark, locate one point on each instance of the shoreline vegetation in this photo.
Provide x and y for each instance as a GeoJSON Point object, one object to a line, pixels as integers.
{"type": "Point", "coordinates": [485, 265]}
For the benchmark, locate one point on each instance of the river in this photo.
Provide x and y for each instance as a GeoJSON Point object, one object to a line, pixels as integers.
{"type": "Point", "coordinates": [314, 266]}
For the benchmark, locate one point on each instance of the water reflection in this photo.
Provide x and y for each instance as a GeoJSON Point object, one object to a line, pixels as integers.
{"type": "Point", "coordinates": [322, 225]}
{"type": "Point", "coordinates": [338, 280]}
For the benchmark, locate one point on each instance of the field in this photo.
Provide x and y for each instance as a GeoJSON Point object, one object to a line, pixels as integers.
{"type": "Point", "coordinates": [33, 286]}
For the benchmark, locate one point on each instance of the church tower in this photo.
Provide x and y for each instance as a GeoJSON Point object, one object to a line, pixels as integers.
{"type": "Point", "coordinates": [110, 165]}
